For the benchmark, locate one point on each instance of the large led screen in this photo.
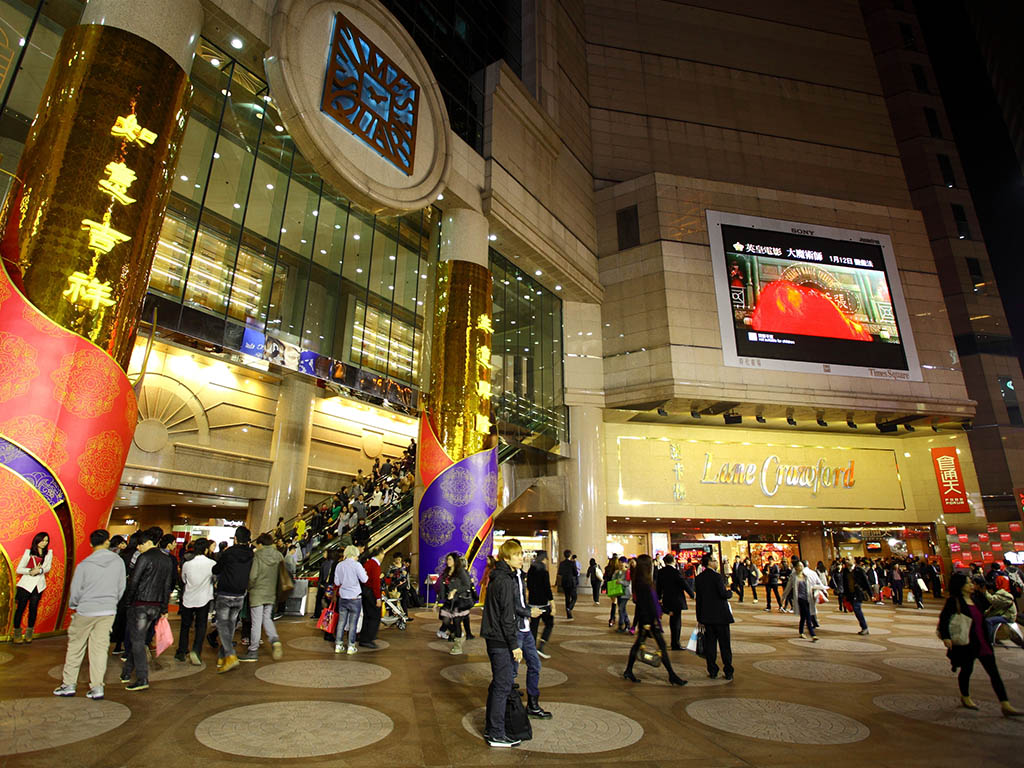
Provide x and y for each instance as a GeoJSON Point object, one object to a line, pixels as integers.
{"type": "Point", "coordinates": [810, 299]}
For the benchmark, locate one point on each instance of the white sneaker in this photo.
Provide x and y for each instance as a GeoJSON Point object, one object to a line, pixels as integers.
{"type": "Point", "coordinates": [542, 654]}
{"type": "Point", "coordinates": [339, 648]}
{"type": "Point", "coordinates": [95, 693]}
{"type": "Point", "coordinates": [64, 690]}
{"type": "Point", "coordinates": [352, 649]}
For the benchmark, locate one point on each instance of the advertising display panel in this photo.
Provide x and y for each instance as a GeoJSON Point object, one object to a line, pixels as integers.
{"type": "Point", "coordinates": [810, 299]}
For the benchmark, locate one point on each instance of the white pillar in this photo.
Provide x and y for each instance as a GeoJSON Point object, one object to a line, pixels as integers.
{"type": "Point", "coordinates": [464, 234]}
{"type": "Point", "coordinates": [289, 450]}
{"type": "Point", "coordinates": [582, 527]}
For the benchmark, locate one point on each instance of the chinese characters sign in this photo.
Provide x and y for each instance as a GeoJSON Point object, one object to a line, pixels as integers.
{"type": "Point", "coordinates": [370, 95]}
{"type": "Point", "coordinates": [950, 480]}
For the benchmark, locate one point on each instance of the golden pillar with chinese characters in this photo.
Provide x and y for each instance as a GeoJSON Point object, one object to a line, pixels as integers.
{"type": "Point", "coordinates": [457, 448]}
{"type": "Point", "coordinates": [80, 230]}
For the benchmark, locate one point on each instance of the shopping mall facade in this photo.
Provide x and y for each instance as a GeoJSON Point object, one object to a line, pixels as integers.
{"type": "Point", "coordinates": [716, 317]}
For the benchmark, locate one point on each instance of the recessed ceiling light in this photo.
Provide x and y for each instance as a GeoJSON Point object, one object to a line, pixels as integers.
{"type": "Point", "coordinates": [215, 62]}
{"type": "Point", "coordinates": [359, 270]}
{"type": "Point", "coordinates": [440, 196]}
{"type": "Point", "coordinates": [236, 43]}
{"type": "Point", "coordinates": [183, 177]}
{"type": "Point", "coordinates": [270, 186]}
{"type": "Point", "coordinates": [492, 238]}
{"type": "Point", "coordinates": [279, 128]}
{"type": "Point", "coordinates": [216, 155]}
{"type": "Point", "coordinates": [237, 206]}
{"type": "Point", "coordinates": [538, 273]}
{"type": "Point", "coordinates": [355, 236]}
{"type": "Point", "coordinates": [558, 287]}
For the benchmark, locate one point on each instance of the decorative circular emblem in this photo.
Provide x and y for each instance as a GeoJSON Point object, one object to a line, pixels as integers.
{"type": "Point", "coordinates": [471, 523]}
{"type": "Point", "coordinates": [40, 436]}
{"type": "Point", "coordinates": [17, 366]}
{"type": "Point", "coordinates": [20, 507]}
{"type": "Point", "coordinates": [41, 322]}
{"type": "Point", "coordinates": [86, 383]}
{"type": "Point", "coordinates": [101, 464]}
{"type": "Point", "coordinates": [457, 487]}
{"type": "Point", "coordinates": [436, 526]}
{"type": "Point", "coordinates": [360, 101]}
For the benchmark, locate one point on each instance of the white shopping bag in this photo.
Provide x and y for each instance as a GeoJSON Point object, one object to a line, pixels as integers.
{"type": "Point", "coordinates": [692, 645]}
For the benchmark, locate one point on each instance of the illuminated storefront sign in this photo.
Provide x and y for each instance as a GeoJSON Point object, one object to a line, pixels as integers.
{"type": "Point", "coordinates": [716, 474]}
{"type": "Point", "coordinates": [950, 480]}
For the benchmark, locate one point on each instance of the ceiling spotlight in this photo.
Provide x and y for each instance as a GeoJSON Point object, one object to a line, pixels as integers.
{"type": "Point", "coordinates": [694, 413]}
{"type": "Point", "coordinates": [759, 418]}
{"type": "Point", "coordinates": [662, 412]}
{"type": "Point", "coordinates": [935, 426]}
{"type": "Point", "coordinates": [732, 418]}
{"type": "Point", "coordinates": [887, 427]}
{"type": "Point", "coordinates": [908, 427]}
{"type": "Point", "coordinates": [851, 423]}
{"type": "Point", "coordinates": [236, 43]}
{"type": "Point", "coordinates": [492, 238]}
{"type": "Point", "coordinates": [791, 421]}
{"type": "Point", "coordinates": [821, 420]}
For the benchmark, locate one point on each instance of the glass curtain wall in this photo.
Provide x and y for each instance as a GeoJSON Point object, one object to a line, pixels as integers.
{"type": "Point", "coordinates": [527, 355]}
{"type": "Point", "coordinates": [256, 250]}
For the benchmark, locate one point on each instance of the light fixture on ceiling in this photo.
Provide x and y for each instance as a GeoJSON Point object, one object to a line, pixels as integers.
{"type": "Point", "coordinates": [237, 43]}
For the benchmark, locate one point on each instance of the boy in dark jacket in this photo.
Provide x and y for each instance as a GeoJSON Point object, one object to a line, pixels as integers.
{"type": "Point", "coordinates": [232, 571]}
{"type": "Point", "coordinates": [501, 629]}
{"type": "Point", "coordinates": [147, 595]}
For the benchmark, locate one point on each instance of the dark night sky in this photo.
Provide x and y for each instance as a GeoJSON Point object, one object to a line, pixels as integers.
{"type": "Point", "coordinates": [986, 152]}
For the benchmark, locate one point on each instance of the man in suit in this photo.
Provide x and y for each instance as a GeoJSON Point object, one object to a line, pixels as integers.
{"type": "Point", "coordinates": [672, 590]}
{"type": "Point", "coordinates": [715, 616]}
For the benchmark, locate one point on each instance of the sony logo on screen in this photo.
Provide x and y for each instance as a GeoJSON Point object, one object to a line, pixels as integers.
{"type": "Point", "coordinates": [796, 231]}
{"type": "Point", "coordinates": [774, 474]}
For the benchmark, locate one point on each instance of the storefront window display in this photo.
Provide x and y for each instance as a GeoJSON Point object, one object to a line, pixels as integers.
{"type": "Point", "coordinates": [779, 551]}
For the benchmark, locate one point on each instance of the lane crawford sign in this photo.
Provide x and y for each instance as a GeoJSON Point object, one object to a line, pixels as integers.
{"type": "Point", "coordinates": [716, 474]}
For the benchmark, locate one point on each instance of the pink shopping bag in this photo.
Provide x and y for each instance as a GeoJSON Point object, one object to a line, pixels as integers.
{"type": "Point", "coordinates": [162, 635]}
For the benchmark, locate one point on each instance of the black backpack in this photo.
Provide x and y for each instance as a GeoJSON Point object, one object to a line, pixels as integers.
{"type": "Point", "coordinates": [517, 723]}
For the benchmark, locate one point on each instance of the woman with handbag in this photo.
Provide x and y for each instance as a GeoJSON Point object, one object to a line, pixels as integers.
{"type": "Point", "coordinates": [803, 588]}
{"type": "Point", "coordinates": [621, 586]}
{"type": "Point", "coordinates": [32, 568]}
{"type": "Point", "coordinates": [457, 592]}
{"type": "Point", "coordinates": [648, 619]}
{"type": "Point", "coordinates": [962, 630]}
{"type": "Point", "coordinates": [595, 575]}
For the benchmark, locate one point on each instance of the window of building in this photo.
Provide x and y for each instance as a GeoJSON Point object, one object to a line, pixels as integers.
{"type": "Point", "coordinates": [963, 230]}
{"type": "Point", "coordinates": [1009, 394]}
{"type": "Point", "coordinates": [909, 38]}
{"type": "Point", "coordinates": [627, 222]}
{"type": "Point", "coordinates": [946, 166]}
{"type": "Point", "coordinates": [932, 118]}
{"type": "Point", "coordinates": [920, 78]}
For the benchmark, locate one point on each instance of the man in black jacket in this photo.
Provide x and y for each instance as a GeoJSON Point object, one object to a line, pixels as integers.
{"type": "Point", "coordinates": [538, 593]}
{"type": "Point", "coordinates": [147, 595]}
{"type": "Point", "coordinates": [232, 571]}
{"type": "Point", "coordinates": [672, 590]}
{"type": "Point", "coordinates": [501, 629]}
{"type": "Point", "coordinates": [771, 585]}
{"type": "Point", "coordinates": [715, 616]}
{"type": "Point", "coordinates": [739, 577]}
{"type": "Point", "coordinates": [567, 580]}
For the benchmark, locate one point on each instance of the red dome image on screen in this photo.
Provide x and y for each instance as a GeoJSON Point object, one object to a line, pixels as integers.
{"type": "Point", "coordinates": [785, 307]}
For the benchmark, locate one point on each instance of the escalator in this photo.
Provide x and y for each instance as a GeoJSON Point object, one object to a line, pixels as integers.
{"type": "Point", "coordinates": [388, 527]}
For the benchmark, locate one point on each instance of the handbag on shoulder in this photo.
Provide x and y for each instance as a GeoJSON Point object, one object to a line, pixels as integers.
{"type": "Point", "coordinates": [285, 583]}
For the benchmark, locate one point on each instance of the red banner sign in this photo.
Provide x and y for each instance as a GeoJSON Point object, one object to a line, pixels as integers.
{"type": "Point", "coordinates": [997, 546]}
{"type": "Point", "coordinates": [1005, 536]}
{"type": "Point", "coordinates": [1015, 527]}
{"type": "Point", "coordinates": [951, 530]}
{"type": "Point", "coordinates": [964, 537]}
{"type": "Point", "coordinates": [1019, 546]}
{"type": "Point", "coordinates": [954, 546]}
{"type": "Point", "coordinates": [993, 528]}
{"type": "Point", "coordinates": [950, 479]}
{"type": "Point", "coordinates": [982, 537]}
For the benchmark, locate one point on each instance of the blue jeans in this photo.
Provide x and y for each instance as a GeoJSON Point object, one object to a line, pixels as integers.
{"type": "Point", "coordinates": [623, 603]}
{"type": "Point", "coordinates": [140, 619]}
{"type": "Point", "coordinates": [532, 660]}
{"type": "Point", "coordinates": [502, 676]}
{"type": "Point", "coordinates": [349, 609]}
{"type": "Point", "coordinates": [859, 613]}
{"type": "Point", "coordinates": [227, 608]}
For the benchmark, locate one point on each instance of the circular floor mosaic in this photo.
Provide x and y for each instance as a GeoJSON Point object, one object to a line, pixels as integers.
{"type": "Point", "coordinates": [1012, 656]}
{"type": "Point", "coordinates": [478, 674]}
{"type": "Point", "coordinates": [918, 642]}
{"type": "Point", "coordinates": [765, 630]}
{"type": "Point", "coordinates": [816, 671]}
{"type": "Point", "coordinates": [284, 732]}
{"type": "Point", "coordinates": [575, 729]}
{"type": "Point", "coordinates": [852, 628]}
{"type": "Point", "coordinates": [777, 721]}
{"type": "Point", "coordinates": [474, 647]}
{"type": "Point", "coordinates": [745, 647]}
{"type": "Point", "coordinates": [42, 723]}
{"type": "Point", "coordinates": [847, 646]}
{"type": "Point", "coordinates": [658, 676]}
{"type": "Point", "coordinates": [946, 711]}
{"type": "Point", "coordinates": [5, 657]}
{"type": "Point", "coordinates": [575, 630]}
{"type": "Point", "coordinates": [609, 647]}
{"type": "Point", "coordinates": [168, 669]}
{"type": "Point", "coordinates": [936, 666]}
{"type": "Point", "coordinates": [317, 643]}
{"type": "Point", "coordinates": [322, 673]}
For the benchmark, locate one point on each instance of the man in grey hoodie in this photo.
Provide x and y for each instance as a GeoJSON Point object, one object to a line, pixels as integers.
{"type": "Point", "coordinates": [96, 587]}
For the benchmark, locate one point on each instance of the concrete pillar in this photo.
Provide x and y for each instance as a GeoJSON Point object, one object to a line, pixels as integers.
{"type": "Point", "coordinates": [289, 450]}
{"type": "Point", "coordinates": [464, 235]}
{"type": "Point", "coordinates": [582, 527]}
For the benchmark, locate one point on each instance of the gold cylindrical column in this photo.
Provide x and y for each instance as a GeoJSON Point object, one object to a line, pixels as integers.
{"type": "Point", "coordinates": [96, 172]}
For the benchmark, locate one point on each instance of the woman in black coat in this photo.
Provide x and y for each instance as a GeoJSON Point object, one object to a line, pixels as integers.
{"type": "Point", "coordinates": [538, 595]}
{"type": "Point", "coordinates": [648, 619]}
{"type": "Point", "coordinates": [967, 600]}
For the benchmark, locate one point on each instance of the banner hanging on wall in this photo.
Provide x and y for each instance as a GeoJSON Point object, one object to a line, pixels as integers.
{"type": "Point", "coordinates": [950, 479]}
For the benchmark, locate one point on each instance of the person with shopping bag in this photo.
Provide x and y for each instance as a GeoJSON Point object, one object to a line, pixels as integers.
{"type": "Point", "coordinates": [672, 590]}
{"type": "Point", "coordinates": [803, 588]}
{"type": "Point", "coordinates": [648, 620]}
{"type": "Point", "coordinates": [714, 617]}
{"type": "Point", "coordinates": [149, 592]}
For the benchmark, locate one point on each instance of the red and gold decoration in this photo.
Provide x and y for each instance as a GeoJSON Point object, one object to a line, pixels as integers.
{"type": "Point", "coordinates": [78, 238]}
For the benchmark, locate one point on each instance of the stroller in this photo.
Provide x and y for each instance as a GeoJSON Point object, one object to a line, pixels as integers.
{"type": "Point", "coordinates": [396, 616]}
